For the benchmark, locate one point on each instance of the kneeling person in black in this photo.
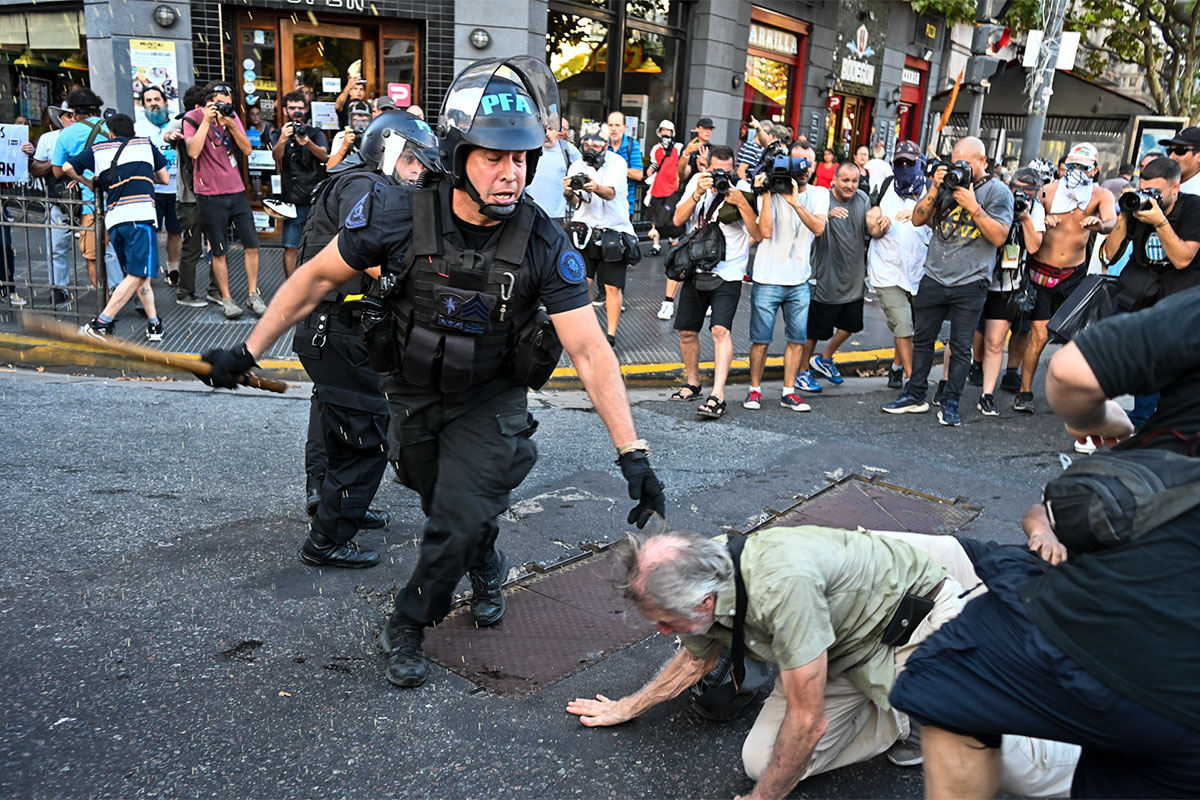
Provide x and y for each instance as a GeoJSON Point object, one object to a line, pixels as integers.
{"type": "Point", "coordinates": [466, 263]}
{"type": "Point", "coordinates": [345, 456]}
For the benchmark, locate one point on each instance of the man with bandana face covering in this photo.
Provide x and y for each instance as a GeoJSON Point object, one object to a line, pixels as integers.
{"type": "Point", "coordinates": [152, 126]}
{"type": "Point", "coordinates": [896, 257]}
{"type": "Point", "coordinates": [1075, 207]}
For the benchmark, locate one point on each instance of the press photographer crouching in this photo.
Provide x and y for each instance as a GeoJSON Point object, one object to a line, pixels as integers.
{"type": "Point", "coordinates": [596, 187]}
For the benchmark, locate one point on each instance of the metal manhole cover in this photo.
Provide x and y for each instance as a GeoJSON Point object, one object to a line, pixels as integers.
{"type": "Point", "coordinates": [556, 625]}
{"type": "Point", "coordinates": [857, 501]}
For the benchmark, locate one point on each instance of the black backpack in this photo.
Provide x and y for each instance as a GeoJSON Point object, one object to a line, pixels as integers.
{"type": "Point", "coordinates": [1112, 498]}
{"type": "Point", "coordinates": [699, 251]}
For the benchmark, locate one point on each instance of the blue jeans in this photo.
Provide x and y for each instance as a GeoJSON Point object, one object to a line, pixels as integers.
{"type": "Point", "coordinates": [766, 300]}
{"type": "Point", "coordinates": [932, 305]}
{"type": "Point", "coordinates": [58, 247]}
{"type": "Point", "coordinates": [293, 228]}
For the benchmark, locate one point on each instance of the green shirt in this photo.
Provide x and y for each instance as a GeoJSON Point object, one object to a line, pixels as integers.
{"type": "Point", "coordinates": [814, 590]}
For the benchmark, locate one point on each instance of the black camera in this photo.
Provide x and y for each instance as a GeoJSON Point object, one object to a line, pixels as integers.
{"type": "Point", "coordinates": [225, 109]}
{"type": "Point", "coordinates": [577, 182]}
{"type": "Point", "coordinates": [1139, 200]}
{"type": "Point", "coordinates": [783, 170]}
{"type": "Point", "coordinates": [722, 180]}
{"type": "Point", "coordinates": [1021, 202]}
{"type": "Point", "coordinates": [958, 174]}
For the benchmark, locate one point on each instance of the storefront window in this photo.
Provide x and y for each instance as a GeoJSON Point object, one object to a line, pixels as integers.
{"type": "Point", "coordinates": [400, 67]}
{"type": "Point", "coordinates": [578, 53]}
{"type": "Point", "coordinates": [648, 90]}
{"type": "Point", "coordinates": [659, 12]}
{"type": "Point", "coordinates": [323, 64]}
{"type": "Point", "coordinates": [258, 60]}
{"type": "Point", "coordinates": [767, 85]}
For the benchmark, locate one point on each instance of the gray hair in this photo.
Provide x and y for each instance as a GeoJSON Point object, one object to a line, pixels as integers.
{"type": "Point", "coordinates": [673, 571]}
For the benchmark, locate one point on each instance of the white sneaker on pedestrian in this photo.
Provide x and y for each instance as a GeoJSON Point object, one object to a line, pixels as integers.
{"type": "Point", "coordinates": [230, 309]}
{"type": "Point", "coordinates": [256, 303]}
{"type": "Point", "coordinates": [666, 310]}
{"type": "Point", "coordinates": [1085, 447]}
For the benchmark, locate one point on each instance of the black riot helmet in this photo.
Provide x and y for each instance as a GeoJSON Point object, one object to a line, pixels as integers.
{"type": "Point", "coordinates": [389, 134]}
{"type": "Point", "coordinates": [499, 104]}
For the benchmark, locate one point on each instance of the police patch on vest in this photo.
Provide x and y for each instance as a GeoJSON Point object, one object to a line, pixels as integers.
{"type": "Point", "coordinates": [570, 266]}
{"type": "Point", "coordinates": [360, 213]}
{"type": "Point", "coordinates": [464, 311]}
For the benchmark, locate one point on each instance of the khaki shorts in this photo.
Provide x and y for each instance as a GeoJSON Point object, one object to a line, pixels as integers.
{"type": "Point", "coordinates": [87, 237]}
{"type": "Point", "coordinates": [897, 307]}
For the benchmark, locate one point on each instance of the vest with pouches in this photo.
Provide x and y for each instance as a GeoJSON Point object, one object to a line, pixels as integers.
{"type": "Point", "coordinates": [454, 314]}
{"type": "Point", "coordinates": [300, 172]}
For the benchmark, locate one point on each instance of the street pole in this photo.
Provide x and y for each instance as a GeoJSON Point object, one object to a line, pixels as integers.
{"type": "Point", "coordinates": [975, 120]}
{"type": "Point", "coordinates": [1040, 85]}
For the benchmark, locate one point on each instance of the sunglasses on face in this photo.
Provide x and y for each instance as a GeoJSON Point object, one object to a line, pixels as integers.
{"type": "Point", "coordinates": [904, 162]}
{"type": "Point", "coordinates": [1181, 150]}
{"type": "Point", "coordinates": [1080, 167]}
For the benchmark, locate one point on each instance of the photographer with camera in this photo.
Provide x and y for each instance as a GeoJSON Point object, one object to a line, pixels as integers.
{"type": "Point", "coordinates": [600, 229]}
{"type": "Point", "coordinates": [214, 136]}
{"type": "Point", "coordinates": [714, 197]}
{"type": "Point", "coordinates": [970, 213]}
{"type": "Point", "coordinates": [759, 136]}
{"type": "Point", "coordinates": [793, 213]}
{"type": "Point", "coordinates": [345, 142]}
{"type": "Point", "coordinates": [896, 255]}
{"type": "Point", "coordinates": [300, 152]}
{"type": "Point", "coordinates": [1075, 209]}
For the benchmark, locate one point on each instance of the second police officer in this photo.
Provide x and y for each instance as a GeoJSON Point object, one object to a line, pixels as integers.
{"type": "Point", "coordinates": [468, 264]}
{"type": "Point", "coordinates": [344, 458]}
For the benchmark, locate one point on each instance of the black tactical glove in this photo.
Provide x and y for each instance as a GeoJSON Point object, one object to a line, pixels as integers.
{"type": "Point", "coordinates": [227, 366]}
{"type": "Point", "coordinates": [644, 487]}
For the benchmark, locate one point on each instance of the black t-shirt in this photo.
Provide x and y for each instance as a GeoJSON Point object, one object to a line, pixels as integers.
{"type": "Point", "coordinates": [1130, 615]}
{"type": "Point", "coordinates": [1148, 250]}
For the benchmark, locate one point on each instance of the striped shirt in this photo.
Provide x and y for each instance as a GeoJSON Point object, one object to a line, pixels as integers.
{"type": "Point", "coordinates": [130, 193]}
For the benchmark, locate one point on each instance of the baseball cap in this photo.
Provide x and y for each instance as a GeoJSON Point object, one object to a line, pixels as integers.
{"type": "Point", "coordinates": [705, 122]}
{"type": "Point", "coordinates": [1188, 137]}
{"type": "Point", "coordinates": [1082, 153]}
{"type": "Point", "coordinates": [56, 113]}
{"type": "Point", "coordinates": [384, 104]}
{"type": "Point", "coordinates": [907, 149]}
{"type": "Point", "coordinates": [666, 123]}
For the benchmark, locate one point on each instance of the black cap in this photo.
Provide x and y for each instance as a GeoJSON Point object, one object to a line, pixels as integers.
{"type": "Point", "coordinates": [705, 122]}
{"type": "Point", "coordinates": [1188, 137]}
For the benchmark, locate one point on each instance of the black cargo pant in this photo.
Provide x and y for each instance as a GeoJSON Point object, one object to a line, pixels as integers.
{"type": "Point", "coordinates": [347, 423]}
{"type": "Point", "coordinates": [464, 461]}
{"type": "Point", "coordinates": [191, 250]}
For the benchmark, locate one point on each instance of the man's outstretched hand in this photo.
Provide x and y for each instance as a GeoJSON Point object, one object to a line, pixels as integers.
{"type": "Point", "coordinates": [644, 486]}
{"type": "Point", "coordinates": [227, 366]}
{"type": "Point", "coordinates": [598, 712]}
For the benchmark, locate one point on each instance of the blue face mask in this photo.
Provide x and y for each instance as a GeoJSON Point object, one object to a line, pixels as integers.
{"type": "Point", "coordinates": [909, 180]}
{"type": "Point", "coordinates": [158, 116]}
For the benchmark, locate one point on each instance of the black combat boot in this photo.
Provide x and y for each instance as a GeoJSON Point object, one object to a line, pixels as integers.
{"type": "Point", "coordinates": [318, 551]}
{"type": "Point", "coordinates": [401, 640]}
{"type": "Point", "coordinates": [487, 598]}
{"type": "Point", "coordinates": [312, 494]}
{"type": "Point", "coordinates": [374, 519]}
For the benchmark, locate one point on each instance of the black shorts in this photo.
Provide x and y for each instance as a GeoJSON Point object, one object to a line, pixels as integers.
{"type": "Point", "coordinates": [167, 219]}
{"type": "Point", "coordinates": [217, 211]}
{"type": "Point", "coordinates": [991, 671]}
{"type": "Point", "coordinates": [605, 273]}
{"type": "Point", "coordinates": [996, 307]}
{"type": "Point", "coordinates": [1050, 300]}
{"type": "Point", "coordinates": [662, 213]}
{"type": "Point", "coordinates": [823, 318]}
{"type": "Point", "coordinates": [689, 316]}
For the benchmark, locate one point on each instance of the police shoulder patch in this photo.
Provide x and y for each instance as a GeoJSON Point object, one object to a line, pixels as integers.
{"type": "Point", "coordinates": [570, 266]}
{"type": "Point", "coordinates": [360, 214]}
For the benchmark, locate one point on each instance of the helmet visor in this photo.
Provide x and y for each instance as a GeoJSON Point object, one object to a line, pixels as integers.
{"type": "Point", "coordinates": [463, 102]}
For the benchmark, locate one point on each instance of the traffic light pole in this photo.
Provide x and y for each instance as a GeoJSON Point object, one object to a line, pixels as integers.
{"type": "Point", "coordinates": [975, 120]}
{"type": "Point", "coordinates": [1041, 80]}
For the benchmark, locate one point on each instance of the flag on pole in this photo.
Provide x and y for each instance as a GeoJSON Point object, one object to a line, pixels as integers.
{"type": "Point", "coordinates": [950, 103]}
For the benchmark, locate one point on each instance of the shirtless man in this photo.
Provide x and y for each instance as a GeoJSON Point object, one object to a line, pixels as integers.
{"type": "Point", "coordinates": [1075, 207]}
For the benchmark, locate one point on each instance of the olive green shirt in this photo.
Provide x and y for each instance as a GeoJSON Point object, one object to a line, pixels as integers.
{"type": "Point", "coordinates": [812, 590]}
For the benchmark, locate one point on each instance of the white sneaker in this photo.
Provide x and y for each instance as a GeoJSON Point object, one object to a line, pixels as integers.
{"type": "Point", "coordinates": [1085, 448]}
{"type": "Point", "coordinates": [666, 310]}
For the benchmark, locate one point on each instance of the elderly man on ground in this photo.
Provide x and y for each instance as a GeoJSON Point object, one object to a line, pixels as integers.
{"type": "Point", "coordinates": [819, 605]}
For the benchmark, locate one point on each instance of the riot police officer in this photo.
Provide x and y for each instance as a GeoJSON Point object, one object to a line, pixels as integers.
{"type": "Point", "coordinates": [348, 419]}
{"type": "Point", "coordinates": [467, 263]}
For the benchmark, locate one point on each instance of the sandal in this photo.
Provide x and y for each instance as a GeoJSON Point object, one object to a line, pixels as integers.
{"type": "Point", "coordinates": [693, 392]}
{"type": "Point", "coordinates": [712, 408]}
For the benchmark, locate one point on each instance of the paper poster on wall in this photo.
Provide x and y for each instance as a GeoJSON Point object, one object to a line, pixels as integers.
{"type": "Point", "coordinates": [260, 159]}
{"type": "Point", "coordinates": [152, 63]}
{"type": "Point", "coordinates": [276, 185]}
{"type": "Point", "coordinates": [324, 116]}
{"type": "Point", "coordinates": [14, 165]}
{"type": "Point", "coordinates": [631, 127]}
{"type": "Point", "coordinates": [262, 221]}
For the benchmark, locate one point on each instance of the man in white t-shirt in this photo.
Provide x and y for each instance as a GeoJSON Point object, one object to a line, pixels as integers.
{"type": "Point", "coordinates": [152, 126]}
{"type": "Point", "coordinates": [58, 237]}
{"type": "Point", "coordinates": [788, 222]}
{"type": "Point", "coordinates": [546, 187]}
{"type": "Point", "coordinates": [896, 256]}
{"type": "Point", "coordinates": [878, 170]}
{"type": "Point", "coordinates": [596, 187]}
{"type": "Point", "coordinates": [719, 289]}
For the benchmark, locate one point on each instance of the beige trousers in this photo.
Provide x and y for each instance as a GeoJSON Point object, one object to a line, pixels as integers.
{"type": "Point", "coordinates": [859, 729]}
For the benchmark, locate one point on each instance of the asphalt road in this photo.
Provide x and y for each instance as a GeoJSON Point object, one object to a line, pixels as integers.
{"type": "Point", "coordinates": [161, 637]}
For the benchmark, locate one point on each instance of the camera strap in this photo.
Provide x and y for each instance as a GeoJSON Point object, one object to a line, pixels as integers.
{"type": "Point", "coordinates": [737, 650]}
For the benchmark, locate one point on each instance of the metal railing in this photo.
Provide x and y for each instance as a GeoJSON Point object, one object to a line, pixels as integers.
{"type": "Point", "coordinates": [42, 267]}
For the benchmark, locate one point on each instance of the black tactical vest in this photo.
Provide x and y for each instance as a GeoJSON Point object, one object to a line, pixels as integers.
{"type": "Point", "coordinates": [300, 171]}
{"type": "Point", "coordinates": [324, 220]}
{"type": "Point", "coordinates": [454, 312]}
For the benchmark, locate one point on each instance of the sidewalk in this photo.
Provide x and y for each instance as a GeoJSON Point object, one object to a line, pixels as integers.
{"type": "Point", "coordinates": [647, 347]}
